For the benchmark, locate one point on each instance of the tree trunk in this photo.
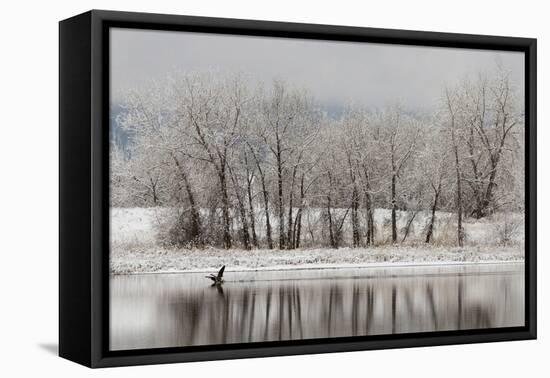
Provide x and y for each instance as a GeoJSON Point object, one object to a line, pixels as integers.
{"type": "Point", "coordinates": [266, 210]}
{"type": "Point", "coordinates": [393, 210]}
{"type": "Point", "coordinates": [249, 179]}
{"type": "Point", "coordinates": [408, 226]}
{"type": "Point", "coordinates": [368, 208]}
{"type": "Point", "coordinates": [289, 237]}
{"type": "Point", "coordinates": [252, 218]}
{"type": "Point", "coordinates": [154, 191]}
{"type": "Point", "coordinates": [298, 222]}
{"type": "Point", "coordinates": [429, 234]}
{"type": "Point", "coordinates": [289, 243]}
{"type": "Point", "coordinates": [370, 219]}
{"type": "Point", "coordinates": [355, 216]}
{"type": "Point", "coordinates": [460, 230]}
{"type": "Point", "coordinates": [280, 197]}
{"type": "Point", "coordinates": [225, 209]}
{"type": "Point", "coordinates": [244, 222]}
{"type": "Point", "coordinates": [298, 229]}
{"type": "Point", "coordinates": [475, 185]}
{"type": "Point", "coordinates": [266, 200]}
{"type": "Point", "coordinates": [195, 231]}
{"type": "Point", "coordinates": [331, 233]}
{"type": "Point", "coordinates": [356, 238]}
{"type": "Point", "coordinates": [329, 204]}
{"type": "Point", "coordinates": [488, 197]}
{"type": "Point", "coordinates": [242, 212]}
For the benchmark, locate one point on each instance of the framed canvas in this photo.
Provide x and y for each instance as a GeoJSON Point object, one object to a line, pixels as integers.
{"type": "Point", "coordinates": [235, 188]}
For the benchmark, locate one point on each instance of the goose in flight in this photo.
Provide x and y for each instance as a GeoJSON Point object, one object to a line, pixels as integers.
{"type": "Point", "coordinates": [218, 279]}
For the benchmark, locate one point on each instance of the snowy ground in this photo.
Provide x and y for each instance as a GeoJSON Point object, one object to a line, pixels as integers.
{"type": "Point", "coordinates": [134, 248]}
{"type": "Point", "coordinates": [151, 260]}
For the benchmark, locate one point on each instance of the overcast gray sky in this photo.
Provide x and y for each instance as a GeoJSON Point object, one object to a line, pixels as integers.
{"type": "Point", "coordinates": [335, 73]}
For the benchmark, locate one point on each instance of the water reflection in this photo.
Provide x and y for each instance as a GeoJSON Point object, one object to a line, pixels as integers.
{"type": "Point", "coordinates": [163, 310]}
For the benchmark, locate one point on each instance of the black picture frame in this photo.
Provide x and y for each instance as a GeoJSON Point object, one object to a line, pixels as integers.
{"type": "Point", "coordinates": [83, 181]}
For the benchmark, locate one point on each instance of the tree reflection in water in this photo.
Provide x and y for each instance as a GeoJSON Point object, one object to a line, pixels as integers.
{"type": "Point", "coordinates": [173, 311]}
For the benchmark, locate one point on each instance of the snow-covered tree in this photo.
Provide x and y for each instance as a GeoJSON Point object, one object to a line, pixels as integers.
{"type": "Point", "coordinates": [263, 166]}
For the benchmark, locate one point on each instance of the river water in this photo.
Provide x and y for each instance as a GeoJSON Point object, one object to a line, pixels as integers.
{"type": "Point", "coordinates": [167, 310]}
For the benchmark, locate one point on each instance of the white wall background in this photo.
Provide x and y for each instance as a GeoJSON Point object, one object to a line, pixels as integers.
{"type": "Point", "coordinates": [29, 186]}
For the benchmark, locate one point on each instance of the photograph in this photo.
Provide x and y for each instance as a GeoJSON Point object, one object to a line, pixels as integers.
{"type": "Point", "coordinates": [268, 189]}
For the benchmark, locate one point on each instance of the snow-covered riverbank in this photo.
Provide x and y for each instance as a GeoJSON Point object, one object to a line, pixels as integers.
{"type": "Point", "coordinates": [135, 248]}
{"type": "Point", "coordinates": [151, 260]}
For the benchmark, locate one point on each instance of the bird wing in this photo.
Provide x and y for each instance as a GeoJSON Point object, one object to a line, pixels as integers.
{"type": "Point", "coordinates": [212, 277]}
{"type": "Point", "coordinates": [220, 273]}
